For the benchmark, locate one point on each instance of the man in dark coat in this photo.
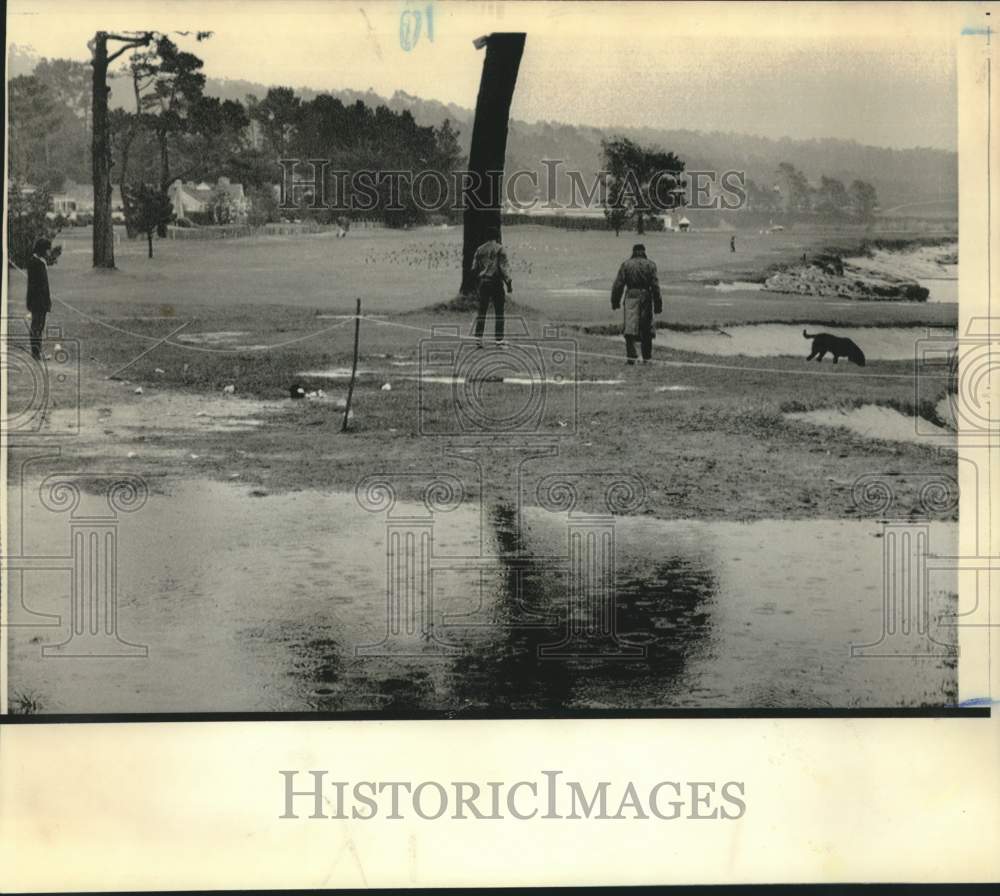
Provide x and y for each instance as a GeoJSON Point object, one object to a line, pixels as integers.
{"type": "Point", "coordinates": [491, 268]}
{"type": "Point", "coordinates": [637, 283]}
{"type": "Point", "coordinates": [38, 299]}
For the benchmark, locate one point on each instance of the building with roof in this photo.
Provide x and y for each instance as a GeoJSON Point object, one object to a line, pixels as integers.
{"type": "Point", "coordinates": [77, 201]}
{"type": "Point", "coordinates": [225, 201]}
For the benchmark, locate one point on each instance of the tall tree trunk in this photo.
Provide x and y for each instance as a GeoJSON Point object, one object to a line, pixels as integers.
{"type": "Point", "coordinates": [161, 228]}
{"type": "Point", "coordinates": [104, 239]}
{"type": "Point", "coordinates": [149, 237]}
{"type": "Point", "coordinates": [489, 144]}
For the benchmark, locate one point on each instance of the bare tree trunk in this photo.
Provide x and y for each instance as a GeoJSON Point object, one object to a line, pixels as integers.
{"type": "Point", "coordinates": [149, 237]}
{"type": "Point", "coordinates": [489, 145]}
{"type": "Point", "coordinates": [104, 241]}
{"type": "Point", "coordinates": [161, 228]}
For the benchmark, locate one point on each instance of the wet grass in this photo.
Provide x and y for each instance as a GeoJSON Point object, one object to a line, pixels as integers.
{"type": "Point", "coordinates": [719, 450]}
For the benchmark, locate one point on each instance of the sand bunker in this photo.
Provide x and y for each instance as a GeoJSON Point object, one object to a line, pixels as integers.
{"type": "Point", "coordinates": [933, 267]}
{"type": "Point", "coordinates": [878, 422]}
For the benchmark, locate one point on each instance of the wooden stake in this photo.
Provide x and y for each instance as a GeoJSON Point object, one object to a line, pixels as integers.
{"type": "Point", "coordinates": [354, 366]}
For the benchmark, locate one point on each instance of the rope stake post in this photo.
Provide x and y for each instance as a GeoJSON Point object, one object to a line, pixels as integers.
{"type": "Point", "coordinates": [354, 367]}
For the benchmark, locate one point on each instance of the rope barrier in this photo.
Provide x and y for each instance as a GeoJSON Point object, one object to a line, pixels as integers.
{"type": "Point", "coordinates": [186, 346]}
{"type": "Point", "coordinates": [602, 355]}
{"type": "Point", "coordinates": [706, 364]}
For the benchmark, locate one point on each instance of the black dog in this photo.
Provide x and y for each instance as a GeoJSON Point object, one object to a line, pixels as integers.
{"type": "Point", "coordinates": [837, 346]}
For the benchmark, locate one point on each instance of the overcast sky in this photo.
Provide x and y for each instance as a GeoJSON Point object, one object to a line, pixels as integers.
{"type": "Point", "coordinates": [883, 75]}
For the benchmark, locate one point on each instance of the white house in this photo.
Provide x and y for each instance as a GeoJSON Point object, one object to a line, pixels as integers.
{"type": "Point", "coordinates": [224, 199]}
{"type": "Point", "coordinates": [78, 199]}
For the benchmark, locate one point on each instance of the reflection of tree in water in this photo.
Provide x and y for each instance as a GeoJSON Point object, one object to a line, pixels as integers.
{"type": "Point", "coordinates": [665, 608]}
{"type": "Point", "coordinates": [504, 669]}
{"type": "Point", "coordinates": [332, 679]}
{"type": "Point", "coordinates": [662, 605]}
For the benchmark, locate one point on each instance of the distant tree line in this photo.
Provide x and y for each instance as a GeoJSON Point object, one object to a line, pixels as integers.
{"type": "Point", "coordinates": [173, 130]}
{"type": "Point", "coordinates": [792, 195]}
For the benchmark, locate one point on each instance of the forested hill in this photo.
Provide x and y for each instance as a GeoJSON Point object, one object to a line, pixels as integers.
{"type": "Point", "coordinates": [900, 176]}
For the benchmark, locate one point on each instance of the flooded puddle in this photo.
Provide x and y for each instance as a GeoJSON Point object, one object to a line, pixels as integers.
{"type": "Point", "coordinates": [339, 373]}
{"type": "Point", "coordinates": [735, 286]}
{"type": "Point", "coordinates": [221, 339]}
{"type": "Point", "coordinates": [264, 603]}
{"type": "Point", "coordinates": [941, 289]}
{"type": "Point", "coordinates": [218, 337]}
{"type": "Point", "coordinates": [763, 340]}
{"type": "Point", "coordinates": [336, 373]}
{"type": "Point", "coordinates": [165, 411]}
{"type": "Point", "coordinates": [879, 422]}
{"type": "Point", "coordinates": [512, 381]}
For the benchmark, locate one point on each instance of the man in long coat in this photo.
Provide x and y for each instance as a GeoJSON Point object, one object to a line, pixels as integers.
{"type": "Point", "coordinates": [638, 285]}
{"type": "Point", "coordinates": [38, 299]}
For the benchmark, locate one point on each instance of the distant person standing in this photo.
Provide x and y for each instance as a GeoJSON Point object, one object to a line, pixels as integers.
{"type": "Point", "coordinates": [39, 301]}
{"type": "Point", "coordinates": [638, 285]}
{"type": "Point", "coordinates": [732, 243]}
{"type": "Point", "coordinates": [491, 268]}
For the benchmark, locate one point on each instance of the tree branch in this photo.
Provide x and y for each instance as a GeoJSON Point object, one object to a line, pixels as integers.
{"type": "Point", "coordinates": [131, 43]}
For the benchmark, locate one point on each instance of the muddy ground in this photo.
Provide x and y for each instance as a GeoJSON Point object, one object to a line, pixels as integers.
{"type": "Point", "coordinates": [241, 475]}
{"type": "Point", "coordinates": [707, 433]}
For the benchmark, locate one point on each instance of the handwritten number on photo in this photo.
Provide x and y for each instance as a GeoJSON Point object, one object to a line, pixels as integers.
{"type": "Point", "coordinates": [411, 22]}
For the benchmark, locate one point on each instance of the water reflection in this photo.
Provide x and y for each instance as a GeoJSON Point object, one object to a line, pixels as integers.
{"type": "Point", "coordinates": [729, 614]}
{"type": "Point", "coordinates": [660, 607]}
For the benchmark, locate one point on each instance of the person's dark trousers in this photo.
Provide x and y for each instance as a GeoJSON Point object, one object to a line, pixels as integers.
{"type": "Point", "coordinates": [37, 329]}
{"type": "Point", "coordinates": [490, 293]}
{"type": "Point", "coordinates": [646, 343]}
